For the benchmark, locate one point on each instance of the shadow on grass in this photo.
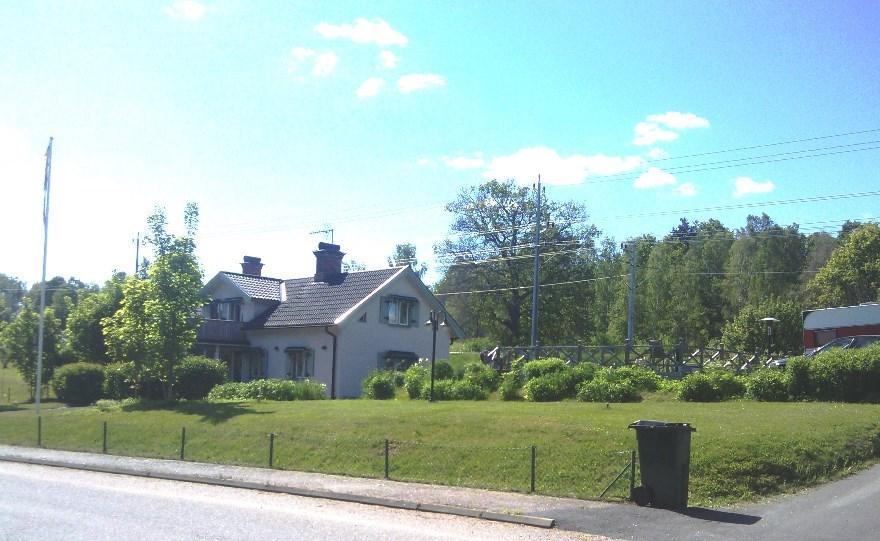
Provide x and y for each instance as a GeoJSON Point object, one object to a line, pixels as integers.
{"type": "Point", "coordinates": [10, 407]}
{"type": "Point", "coordinates": [210, 412]}
{"type": "Point", "coordinates": [714, 515]}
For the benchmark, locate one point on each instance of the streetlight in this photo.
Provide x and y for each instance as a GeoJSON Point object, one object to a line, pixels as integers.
{"type": "Point", "coordinates": [769, 321]}
{"type": "Point", "coordinates": [436, 319]}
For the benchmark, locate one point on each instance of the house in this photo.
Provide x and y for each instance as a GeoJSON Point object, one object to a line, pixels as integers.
{"type": "Point", "coordinates": [334, 327]}
{"type": "Point", "coordinates": [824, 325]}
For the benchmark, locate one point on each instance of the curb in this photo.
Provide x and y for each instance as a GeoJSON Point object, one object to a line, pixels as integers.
{"type": "Point", "coordinates": [525, 520]}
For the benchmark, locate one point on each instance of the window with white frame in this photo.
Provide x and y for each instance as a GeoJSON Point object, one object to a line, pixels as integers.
{"type": "Point", "coordinates": [401, 311]}
{"type": "Point", "coordinates": [225, 310]}
{"type": "Point", "coordinates": [300, 363]}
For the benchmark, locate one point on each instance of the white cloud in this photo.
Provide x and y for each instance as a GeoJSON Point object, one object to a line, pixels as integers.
{"type": "Point", "coordinates": [649, 133]}
{"type": "Point", "coordinates": [686, 190]}
{"type": "Point", "coordinates": [187, 10]}
{"type": "Point", "coordinates": [654, 178]}
{"type": "Point", "coordinates": [419, 81]}
{"type": "Point", "coordinates": [424, 162]}
{"type": "Point", "coordinates": [325, 63]}
{"type": "Point", "coordinates": [679, 121]}
{"type": "Point", "coordinates": [370, 87]}
{"type": "Point", "coordinates": [526, 164]}
{"type": "Point", "coordinates": [657, 127]}
{"type": "Point", "coordinates": [657, 153]}
{"type": "Point", "coordinates": [320, 64]}
{"type": "Point", "coordinates": [388, 60]}
{"type": "Point", "coordinates": [465, 162]}
{"type": "Point", "coordinates": [363, 31]}
{"type": "Point", "coordinates": [747, 185]}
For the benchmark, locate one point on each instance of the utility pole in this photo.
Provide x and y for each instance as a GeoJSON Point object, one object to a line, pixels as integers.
{"type": "Point", "coordinates": [537, 240]}
{"type": "Point", "coordinates": [46, 182]}
{"type": "Point", "coordinates": [631, 297]}
{"type": "Point", "coordinates": [137, 253]}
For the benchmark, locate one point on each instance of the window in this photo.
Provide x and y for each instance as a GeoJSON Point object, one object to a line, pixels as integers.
{"type": "Point", "coordinates": [397, 360]}
{"type": "Point", "coordinates": [300, 363]}
{"type": "Point", "coordinates": [226, 310]}
{"type": "Point", "coordinates": [401, 311]}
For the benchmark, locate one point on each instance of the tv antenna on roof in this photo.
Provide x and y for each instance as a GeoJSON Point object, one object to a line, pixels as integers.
{"type": "Point", "coordinates": [327, 231]}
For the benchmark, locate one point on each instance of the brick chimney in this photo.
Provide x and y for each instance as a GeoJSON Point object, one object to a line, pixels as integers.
{"type": "Point", "coordinates": [252, 266]}
{"type": "Point", "coordinates": [328, 263]}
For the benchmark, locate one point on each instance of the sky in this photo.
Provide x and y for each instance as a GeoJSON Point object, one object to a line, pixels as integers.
{"type": "Point", "coordinates": [283, 118]}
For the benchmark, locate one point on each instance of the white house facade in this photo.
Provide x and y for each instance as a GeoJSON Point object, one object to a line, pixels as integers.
{"type": "Point", "coordinates": [334, 327]}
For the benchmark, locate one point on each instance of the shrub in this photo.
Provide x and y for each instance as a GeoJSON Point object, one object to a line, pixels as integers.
{"type": "Point", "coordinates": [797, 371]}
{"type": "Point", "coordinates": [604, 390]}
{"type": "Point", "coordinates": [475, 345]}
{"type": "Point", "coordinates": [119, 381]}
{"type": "Point", "coordinates": [269, 389]}
{"type": "Point", "coordinates": [442, 370]}
{"type": "Point", "coordinates": [78, 384]}
{"type": "Point", "coordinates": [550, 387]}
{"type": "Point", "coordinates": [643, 379]}
{"type": "Point", "coordinates": [379, 385]}
{"type": "Point", "coordinates": [510, 386]}
{"type": "Point", "coordinates": [534, 369]}
{"type": "Point", "coordinates": [846, 375]}
{"type": "Point", "coordinates": [767, 385]}
{"type": "Point", "coordinates": [711, 386]}
{"type": "Point", "coordinates": [398, 379]}
{"type": "Point", "coordinates": [196, 376]}
{"type": "Point", "coordinates": [448, 389]}
{"type": "Point", "coordinates": [414, 379]}
{"type": "Point", "coordinates": [481, 375]}
{"type": "Point", "coordinates": [585, 371]}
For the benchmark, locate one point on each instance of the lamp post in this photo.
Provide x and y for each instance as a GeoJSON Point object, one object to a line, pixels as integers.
{"type": "Point", "coordinates": [769, 321]}
{"type": "Point", "coordinates": [436, 319]}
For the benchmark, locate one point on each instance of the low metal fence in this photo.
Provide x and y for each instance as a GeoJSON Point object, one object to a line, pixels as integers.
{"type": "Point", "coordinates": [564, 470]}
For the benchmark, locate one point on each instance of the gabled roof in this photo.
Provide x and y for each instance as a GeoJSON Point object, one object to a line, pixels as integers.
{"type": "Point", "coordinates": [309, 303]}
{"type": "Point", "coordinates": [256, 287]}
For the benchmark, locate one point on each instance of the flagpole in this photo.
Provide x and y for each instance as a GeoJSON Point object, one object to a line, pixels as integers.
{"type": "Point", "coordinates": [46, 182]}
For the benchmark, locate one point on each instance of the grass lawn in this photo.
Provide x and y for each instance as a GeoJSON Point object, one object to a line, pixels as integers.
{"type": "Point", "coordinates": [741, 449]}
{"type": "Point", "coordinates": [13, 389]}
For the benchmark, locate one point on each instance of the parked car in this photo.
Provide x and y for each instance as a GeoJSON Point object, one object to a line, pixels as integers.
{"type": "Point", "coordinates": [845, 342]}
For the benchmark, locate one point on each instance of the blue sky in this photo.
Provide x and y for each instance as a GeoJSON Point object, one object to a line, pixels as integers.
{"type": "Point", "coordinates": [278, 118]}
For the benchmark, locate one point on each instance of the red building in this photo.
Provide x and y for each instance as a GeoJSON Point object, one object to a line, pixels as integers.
{"type": "Point", "coordinates": [824, 325]}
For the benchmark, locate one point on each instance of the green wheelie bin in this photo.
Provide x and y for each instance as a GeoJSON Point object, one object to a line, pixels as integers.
{"type": "Point", "coordinates": [664, 463]}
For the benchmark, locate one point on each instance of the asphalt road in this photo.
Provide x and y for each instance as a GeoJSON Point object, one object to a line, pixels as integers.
{"type": "Point", "coordinates": [38, 502]}
{"type": "Point", "coordinates": [846, 509]}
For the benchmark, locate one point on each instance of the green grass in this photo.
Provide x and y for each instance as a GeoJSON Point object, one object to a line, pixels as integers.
{"type": "Point", "coordinates": [15, 394]}
{"type": "Point", "coordinates": [741, 450]}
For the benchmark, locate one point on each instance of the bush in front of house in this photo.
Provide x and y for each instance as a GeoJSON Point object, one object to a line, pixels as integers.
{"type": "Point", "coordinates": [600, 389]}
{"type": "Point", "coordinates": [448, 389]}
{"type": "Point", "coordinates": [481, 375]}
{"type": "Point", "coordinates": [78, 384]}
{"type": "Point", "coordinates": [414, 379]}
{"type": "Point", "coordinates": [269, 389]}
{"type": "Point", "coordinates": [550, 387]}
{"type": "Point", "coordinates": [797, 375]}
{"type": "Point", "coordinates": [510, 386]}
{"type": "Point", "coordinates": [846, 375]}
{"type": "Point", "coordinates": [379, 385]}
{"type": "Point", "coordinates": [196, 376]}
{"type": "Point", "coordinates": [541, 367]}
{"type": "Point", "coordinates": [711, 386]}
{"type": "Point", "coordinates": [767, 385]}
{"type": "Point", "coordinates": [442, 370]}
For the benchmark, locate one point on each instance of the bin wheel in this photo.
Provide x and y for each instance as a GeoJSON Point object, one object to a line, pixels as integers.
{"type": "Point", "coordinates": [642, 496]}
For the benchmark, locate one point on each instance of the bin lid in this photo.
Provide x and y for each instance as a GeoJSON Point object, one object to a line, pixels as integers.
{"type": "Point", "coordinates": [662, 425]}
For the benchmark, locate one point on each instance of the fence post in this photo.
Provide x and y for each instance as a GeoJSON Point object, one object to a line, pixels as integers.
{"type": "Point", "coordinates": [39, 431]}
{"type": "Point", "coordinates": [632, 472]}
{"type": "Point", "coordinates": [534, 457]}
{"type": "Point", "coordinates": [182, 441]}
{"type": "Point", "coordinates": [104, 446]}
{"type": "Point", "coordinates": [386, 459]}
{"type": "Point", "coordinates": [271, 449]}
